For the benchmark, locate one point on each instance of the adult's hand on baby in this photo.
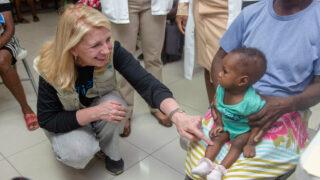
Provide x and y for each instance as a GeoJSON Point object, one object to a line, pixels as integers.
{"type": "Point", "coordinates": [190, 127]}
{"type": "Point", "coordinates": [111, 111]}
{"type": "Point", "coordinates": [274, 108]}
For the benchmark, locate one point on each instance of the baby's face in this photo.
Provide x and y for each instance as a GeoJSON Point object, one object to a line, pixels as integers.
{"type": "Point", "coordinates": [228, 77]}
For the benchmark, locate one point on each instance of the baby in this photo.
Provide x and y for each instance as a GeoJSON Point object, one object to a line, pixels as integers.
{"type": "Point", "coordinates": [235, 100]}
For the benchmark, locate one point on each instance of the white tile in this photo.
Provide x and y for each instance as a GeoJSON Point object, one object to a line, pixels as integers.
{"type": "Point", "coordinates": [14, 133]}
{"type": "Point", "coordinates": [150, 168]}
{"type": "Point", "coordinates": [1, 157]}
{"type": "Point", "coordinates": [40, 31]}
{"type": "Point", "coordinates": [38, 163]}
{"type": "Point", "coordinates": [173, 72]}
{"type": "Point", "coordinates": [172, 155]}
{"type": "Point", "coordinates": [131, 154]}
{"type": "Point", "coordinates": [292, 177]}
{"type": "Point", "coordinates": [191, 93]}
{"type": "Point", "coordinates": [7, 171]}
{"type": "Point", "coordinates": [148, 134]}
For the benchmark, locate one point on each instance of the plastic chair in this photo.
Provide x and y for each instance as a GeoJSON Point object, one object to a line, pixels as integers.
{"type": "Point", "coordinates": [22, 54]}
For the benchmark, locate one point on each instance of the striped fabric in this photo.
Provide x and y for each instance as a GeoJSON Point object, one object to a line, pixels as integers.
{"type": "Point", "coordinates": [276, 154]}
{"type": "Point", "coordinates": [13, 45]}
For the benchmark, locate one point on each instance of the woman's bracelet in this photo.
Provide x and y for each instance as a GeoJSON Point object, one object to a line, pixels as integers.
{"type": "Point", "coordinates": [175, 111]}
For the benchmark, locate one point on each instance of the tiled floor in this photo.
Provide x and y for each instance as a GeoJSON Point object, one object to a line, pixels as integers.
{"type": "Point", "coordinates": [150, 152]}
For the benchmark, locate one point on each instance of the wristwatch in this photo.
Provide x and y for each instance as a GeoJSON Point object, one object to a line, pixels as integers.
{"type": "Point", "coordinates": [175, 111]}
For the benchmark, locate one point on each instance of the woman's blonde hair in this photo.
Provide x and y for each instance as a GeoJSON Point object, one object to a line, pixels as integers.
{"type": "Point", "coordinates": [57, 64]}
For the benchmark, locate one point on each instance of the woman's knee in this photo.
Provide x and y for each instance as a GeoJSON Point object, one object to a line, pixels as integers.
{"type": "Point", "coordinates": [75, 148]}
{"type": "Point", "coordinates": [76, 155]}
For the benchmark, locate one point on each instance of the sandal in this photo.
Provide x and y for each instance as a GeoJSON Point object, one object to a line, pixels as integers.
{"type": "Point", "coordinates": [163, 121]}
{"type": "Point", "coordinates": [127, 128]}
{"type": "Point", "coordinates": [31, 121]}
{"type": "Point", "coordinates": [23, 21]}
{"type": "Point", "coordinates": [36, 19]}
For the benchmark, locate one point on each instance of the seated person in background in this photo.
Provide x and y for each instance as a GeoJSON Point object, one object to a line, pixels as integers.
{"type": "Point", "coordinates": [290, 85]}
{"type": "Point", "coordinates": [9, 52]}
{"type": "Point", "coordinates": [78, 103]}
{"type": "Point", "coordinates": [235, 100]}
{"type": "Point", "coordinates": [17, 4]}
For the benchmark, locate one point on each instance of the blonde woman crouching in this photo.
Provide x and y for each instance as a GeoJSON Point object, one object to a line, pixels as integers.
{"type": "Point", "coordinates": [78, 103]}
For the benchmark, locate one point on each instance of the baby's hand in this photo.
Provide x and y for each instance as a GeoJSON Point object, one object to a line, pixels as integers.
{"type": "Point", "coordinates": [216, 130]}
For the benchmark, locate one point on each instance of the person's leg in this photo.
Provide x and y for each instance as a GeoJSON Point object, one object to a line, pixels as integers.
{"type": "Point", "coordinates": [249, 150]}
{"type": "Point", "coordinates": [17, 4]}
{"type": "Point", "coordinates": [151, 49]}
{"type": "Point", "coordinates": [236, 149]}
{"type": "Point", "coordinates": [209, 86]}
{"type": "Point", "coordinates": [11, 80]}
{"type": "Point", "coordinates": [108, 135]}
{"type": "Point", "coordinates": [206, 164]}
{"type": "Point", "coordinates": [213, 150]}
{"type": "Point", "coordinates": [127, 34]}
{"type": "Point", "coordinates": [75, 148]}
{"type": "Point", "coordinates": [33, 11]}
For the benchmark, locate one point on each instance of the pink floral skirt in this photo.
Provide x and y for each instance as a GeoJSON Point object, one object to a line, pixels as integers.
{"type": "Point", "coordinates": [276, 154]}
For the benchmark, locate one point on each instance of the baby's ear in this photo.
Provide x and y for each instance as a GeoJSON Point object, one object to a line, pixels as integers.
{"type": "Point", "coordinates": [243, 80]}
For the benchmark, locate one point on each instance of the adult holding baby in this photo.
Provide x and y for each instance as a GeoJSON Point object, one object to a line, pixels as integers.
{"type": "Point", "coordinates": [290, 85]}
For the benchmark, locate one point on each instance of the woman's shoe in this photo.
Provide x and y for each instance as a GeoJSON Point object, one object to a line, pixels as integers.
{"type": "Point", "coordinates": [114, 167]}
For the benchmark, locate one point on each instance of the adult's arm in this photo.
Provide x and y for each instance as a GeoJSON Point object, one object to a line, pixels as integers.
{"type": "Point", "coordinates": [53, 117]}
{"type": "Point", "coordinates": [156, 94]}
{"type": "Point", "coordinates": [277, 106]}
{"type": "Point", "coordinates": [9, 28]}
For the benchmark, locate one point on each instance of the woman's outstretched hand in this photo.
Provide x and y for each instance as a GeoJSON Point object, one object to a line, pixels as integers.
{"type": "Point", "coordinates": [274, 108]}
{"type": "Point", "coordinates": [111, 111]}
{"type": "Point", "coordinates": [190, 127]}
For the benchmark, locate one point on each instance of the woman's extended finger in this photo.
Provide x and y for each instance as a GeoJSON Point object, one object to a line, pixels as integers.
{"type": "Point", "coordinates": [189, 136]}
{"type": "Point", "coordinates": [199, 134]}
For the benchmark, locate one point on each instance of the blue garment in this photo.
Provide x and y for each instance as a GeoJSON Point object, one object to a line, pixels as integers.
{"type": "Point", "coordinates": [234, 116]}
{"type": "Point", "coordinates": [2, 21]}
{"type": "Point", "coordinates": [291, 45]}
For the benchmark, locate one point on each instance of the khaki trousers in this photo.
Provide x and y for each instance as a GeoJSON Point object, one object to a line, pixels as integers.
{"type": "Point", "coordinates": [210, 18]}
{"type": "Point", "coordinates": [151, 29]}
